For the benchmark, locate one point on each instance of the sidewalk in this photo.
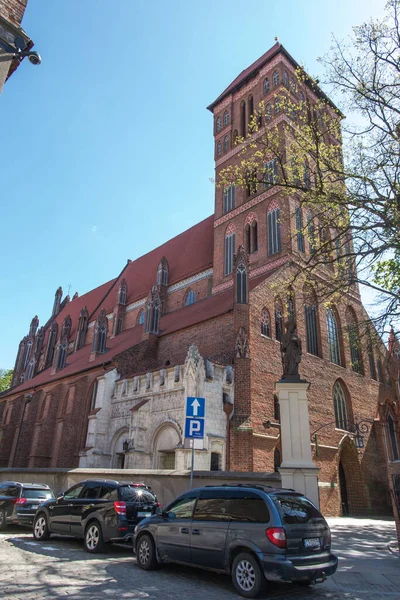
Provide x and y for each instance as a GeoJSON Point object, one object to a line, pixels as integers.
{"type": "Point", "coordinates": [368, 562]}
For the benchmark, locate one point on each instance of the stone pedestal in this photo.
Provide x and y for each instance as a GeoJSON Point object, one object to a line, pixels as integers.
{"type": "Point", "coordinates": [297, 468]}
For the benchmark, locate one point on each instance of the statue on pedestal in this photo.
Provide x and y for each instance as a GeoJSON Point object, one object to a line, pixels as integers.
{"type": "Point", "coordinates": [291, 351]}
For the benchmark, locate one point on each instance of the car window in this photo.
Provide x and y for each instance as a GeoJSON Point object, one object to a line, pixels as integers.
{"type": "Point", "coordinates": [11, 491]}
{"type": "Point", "coordinates": [250, 509]}
{"type": "Point", "coordinates": [73, 492]}
{"type": "Point", "coordinates": [90, 491]}
{"type": "Point", "coordinates": [182, 508]}
{"type": "Point", "coordinates": [129, 493]}
{"type": "Point", "coordinates": [108, 493]}
{"type": "Point", "coordinates": [295, 509]}
{"type": "Point", "coordinates": [37, 493]}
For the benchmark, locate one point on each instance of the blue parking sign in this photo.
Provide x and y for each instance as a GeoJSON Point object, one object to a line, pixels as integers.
{"type": "Point", "coordinates": [194, 428]}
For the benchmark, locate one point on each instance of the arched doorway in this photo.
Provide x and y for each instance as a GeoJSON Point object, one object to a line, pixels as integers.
{"type": "Point", "coordinates": [118, 456]}
{"type": "Point", "coordinates": [165, 442]}
{"type": "Point", "coordinates": [353, 491]}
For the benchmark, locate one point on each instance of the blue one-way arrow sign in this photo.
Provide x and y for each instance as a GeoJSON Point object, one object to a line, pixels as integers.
{"type": "Point", "coordinates": [195, 407]}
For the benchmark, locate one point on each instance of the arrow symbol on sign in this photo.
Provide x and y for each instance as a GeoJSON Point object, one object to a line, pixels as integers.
{"type": "Point", "coordinates": [195, 405]}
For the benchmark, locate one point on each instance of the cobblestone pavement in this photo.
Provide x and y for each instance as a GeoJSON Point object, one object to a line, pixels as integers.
{"type": "Point", "coordinates": [62, 568]}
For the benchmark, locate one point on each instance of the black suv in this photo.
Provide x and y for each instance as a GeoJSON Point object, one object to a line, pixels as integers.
{"type": "Point", "coordinates": [19, 501]}
{"type": "Point", "coordinates": [97, 510]}
{"type": "Point", "coordinates": [255, 533]}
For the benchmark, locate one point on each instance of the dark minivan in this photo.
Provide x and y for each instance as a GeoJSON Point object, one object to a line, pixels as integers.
{"type": "Point", "coordinates": [99, 511]}
{"type": "Point", "coordinates": [19, 501]}
{"type": "Point", "coordinates": [255, 533]}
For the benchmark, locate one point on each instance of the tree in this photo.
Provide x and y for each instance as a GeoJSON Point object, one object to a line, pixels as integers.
{"type": "Point", "coordinates": [5, 379]}
{"type": "Point", "coordinates": [345, 176]}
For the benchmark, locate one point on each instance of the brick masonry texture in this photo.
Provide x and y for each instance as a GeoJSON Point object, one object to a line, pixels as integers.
{"type": "Point", "coordinates": [58, 412]}
{"type": "Point", "coordinates": [13, 11]}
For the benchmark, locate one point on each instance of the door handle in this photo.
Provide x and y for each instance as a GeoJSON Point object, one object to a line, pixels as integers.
{"type": "Point", "coordinates": [184, 530]}
{"type": "Point", "coordinates": [196, 532]}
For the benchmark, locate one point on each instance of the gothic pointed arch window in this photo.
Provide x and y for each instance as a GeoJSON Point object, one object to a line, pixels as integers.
{"type": "Point", "coordinates": [155, 316]}
{"type": "Point", "coordinates": [82, 329]}
{"type": "Point", "coordinates": [226, 143]}
{"type": "Point", "coordinates": [147, 324]}
{"type": "Point", "coordinates": [57, 301]}
{"type": "Point", "coordinates": [275, 79]}
{"type": "Point", "coordinates": [312, 324]}
{"type": "Point", "coordinates": [162, 272]}
{"type": "Point", "coordinates": [333, 336]}
{"type": "Point", "coordinates": [21, 378]}
{"type": "Point", "coordinates": [229, 249]}
{"type": "Point", "coordinates": [226, 118]}
{"type": "Point", "coordinates": [190, 297]}
{"type": "Point", "coordinates": [31, 368]}
{"type": "Point", "coordinates": [274, 229]}
{"type": "Point", "coordinates": [292, 85]}
{"type": "Point", "coordinates": [62, 353]}
{"type": "Point", "coordinates": [140, 320]}
{"type": "Point", "coordinates": [266, 85]}
{"type": "Point", "coordinates": [340, 406]}
{"type": "Point", "coordinates": [354, 341]}
{"type": "Point", "coordinates": [393, 437]}
{"type": "Point", "coordinates": [299, 229]}
{"type": "Point", "coordinates": [243, 119]}
{"type": "Point", "coordinates": [39, 342]}
{"type": "Point", "coordinates": [33, 327]}
{"type": "Point", "coordinates": [285, 78]}
{"type": "Point", "coordinates": [265, 323]}
{"type": "Point", "coordinates": [229, 198]}
{"type": "Point", "coordinates": [27, 352]}
{"type": "Point", "coordinates": [51, 344]}
{"type": "Point", "coordinates": [66, 327]}
{"type": "Point", "coordinates": [218, 124]}
{"type": "Point", "coordinates": [278, 319]}
{"type": "Point", "coordinates": [251, 109]}
{"type": "Point", "coordinates": [100, 333]}
{"type": "Point", "coordinates": [122, 293]}
{"type": "Point", "coordinates": [241, 278]}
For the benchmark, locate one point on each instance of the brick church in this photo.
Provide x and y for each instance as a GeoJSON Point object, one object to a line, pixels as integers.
{"type": "Point", "coordinates": [103, 382]}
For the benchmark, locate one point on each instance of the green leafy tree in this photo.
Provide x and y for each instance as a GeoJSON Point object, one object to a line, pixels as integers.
{"type": "Point", "coordinates": [345, 174]}
{"type": "Point", "coordinates": [5, 379]}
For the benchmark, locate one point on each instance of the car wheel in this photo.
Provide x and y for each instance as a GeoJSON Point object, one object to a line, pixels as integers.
{"type": "Point", "coordinates": [2, 520]}
{"type": "Point", "coordinates": [40, 528]}
{"type": "Point", "coordinates": [94, 538]}
{"type": "Point", "coordinates": [146, 553]}
{"type": "Point", "coordinates": [247, 576]}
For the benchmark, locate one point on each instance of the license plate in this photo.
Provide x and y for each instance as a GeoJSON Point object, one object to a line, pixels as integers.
{"type": "Point", "coordinates": [144, 514]}
{"type": "Point", "coordinates": [311, 543]}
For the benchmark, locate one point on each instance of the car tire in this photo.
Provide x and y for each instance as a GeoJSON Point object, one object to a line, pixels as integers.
{"type": "Point", "coordinates": [40, 528]}
{"type": "Point", "coordinates": [146, 553]}
{"type": "Point", "coordinates": [3, 523]}
{"type": "Point", "coordinates": [94, 542]}
{"type": "Point", "coordinates": [247, 576]}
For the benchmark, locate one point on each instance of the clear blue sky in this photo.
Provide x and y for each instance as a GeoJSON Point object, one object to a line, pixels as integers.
{"type": "Point", "coordinates": [107, 149]}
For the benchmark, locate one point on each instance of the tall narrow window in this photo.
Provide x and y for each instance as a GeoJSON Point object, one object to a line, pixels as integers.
{"type": "Point", "coordinates": [94, 395]}
{"type": "Point", "coordinates": [291, 306]}
{"type": "Point", "coordinates": [51, 345]}
{"type": "Point", "coordinates": [218, 124]}
{"type": "Point", "coordinates": [215, 461]}
{"type": "Point", "coordinates": [311, 317]}
{"type": "Point", "coordinates": [307, 177]}
{"type": "Point", "coordinates": [251, 109]}
{"type": "Point", "coordinates": [229, 251]}
{"type": "Point", "coordinates": [62, 354]}
{"type": "Point", "coordinates": [81, 329]}
{"type": "Point", "coordinates": [30, 370]}
{"type": "Point", "coordinates": [285, 78]}
{"type": "Point", "coordinates": [241, 284]}
{"type": "Point", "coordinates": [247, 237]}
{"type": "Point", "coordinates": [265, 323]}
{"type": "Point", "coordinates": [100, 333]}
{"type": "Point", "coordinates": [27, 351]}
{"type": "Point", "coordinates": [243, 119]}
{"type": "Point", "coordinates": [339, 404]}
{"type": "Point", "coordinates": [155, 316]}
{"type": "Point", "coordinates": [190, 298]}
{"type": "Point", "coordinates": [292, 85]}
{"type": "Point", "coordinates": [162, 272]}
{"type": "Point", "coordinates": [229, 198]}
{"type": "Point", "coordinates": [235, 137]}
{"type": "Point", "coordinates": [268, 112]}
{"type": "Point", "coordinates": [274, 231]}
{"type": "Point", "coordinates": [311, 232]}
{"type": "Point", "coordinates": [254, 235]}
{"type": "Point", "coordinates": [333, 336]}
{"type": "Point", "coordinates": [270, 173]}
{"type": "Point", "coordinates": [275, 79]}
{"type": "Point", "coordinates": [119, 324]}
{"type": "Point", "coordinates": [299, 229]}
{"type": "Point", "coordinates": [226, 118]}
{"type": "Point", "coordinates": [122, 292]}
{"type": "Point", "coordinates": [102, 338]}
{"type": "Point", "coordinates": [354, 342]}
{"type": "Point", "coordinates": [371, 358]}
{"type": "Point", "coordinates": [226, 143]}
{"type": "Point", "coordinates": [380, 370]}
{"type": "Point", "coordinates": [148, 316]}
{"type": "Point", "coordinates": [219, 148]}
{"type": "Point", "coordinates": [141, 317]}
{"type": "Point", "coordinates": [266, 85]}
{"type": "Point", "coordinates": [393, 438]}
{"type": "Point", "coordinates": [278, 320]}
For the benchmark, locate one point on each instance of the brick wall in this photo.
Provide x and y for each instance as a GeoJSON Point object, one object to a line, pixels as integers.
{"type": "Point", "coordinates": [13, 10]}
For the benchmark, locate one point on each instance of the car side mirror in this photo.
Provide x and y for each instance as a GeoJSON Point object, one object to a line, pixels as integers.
{"type": "Point", "coordinates": [60, 496]}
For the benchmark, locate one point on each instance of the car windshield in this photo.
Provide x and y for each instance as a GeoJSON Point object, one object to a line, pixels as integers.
{"type": "Point", "coordinates": [296, 509]}
{"type": "Point", "coordinates": [37, 494]}
{"type": "Point", "coordinates": [129, 493]}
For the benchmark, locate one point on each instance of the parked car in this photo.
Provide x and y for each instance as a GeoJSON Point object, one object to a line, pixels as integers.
{"type": "Point", "coordinates": [255, 533]}
{"type": "Point", "coordinates": [97, 510]}
{"type": "Point", "coordinates": [19, 501]}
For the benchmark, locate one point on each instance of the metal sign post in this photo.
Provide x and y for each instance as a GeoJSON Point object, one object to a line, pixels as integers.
{"type": "Point", "coordinates": [194, 424]}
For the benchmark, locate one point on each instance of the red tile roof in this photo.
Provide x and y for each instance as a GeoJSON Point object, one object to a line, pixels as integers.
{"type": "Point", "coordinates": [252, 70]}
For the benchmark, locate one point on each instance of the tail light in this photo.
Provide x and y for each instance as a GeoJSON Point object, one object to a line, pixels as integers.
{"type": "Point", "coordinates": [120, 508]}
{"type": "Point", "coordinates": [159, 504]}
{"type": "Point", "coordinates": [21, 501]}
{"type": "Point", "coordinates": [277, 536]}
